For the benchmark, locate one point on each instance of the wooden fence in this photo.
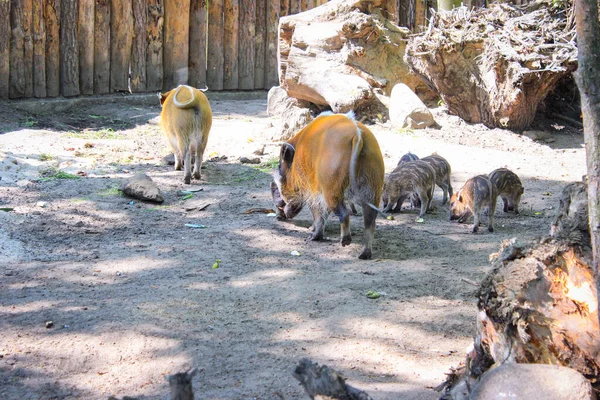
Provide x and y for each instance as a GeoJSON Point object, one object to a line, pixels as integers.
{"type": "Point", "coordinates": [51, 48]}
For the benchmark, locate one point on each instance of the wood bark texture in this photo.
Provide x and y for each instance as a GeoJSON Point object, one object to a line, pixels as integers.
{"type": "Point", "coordinates": [271, 73]}
{"type": "Point", "coordinates": [176, 43]}
{"type": "Point", "coordinates": [246, 44]}
{"type": "Point", "coordinates": [284, 7]}
{"type": "Point", "coordinates": [538, 305]}
{"type": "Point", "coordinates": [4, 48]}
{"type": "Point", "coordinates": [69, 49]}
{"type": "Point", "coordinates": [230, 57]}
{"type": "Point", "coordinates": [86, 46]}
{"type": "Point", "coordinates": [17, 51]}
{"type": "Point", "coordinates": [39, 50]}
{"type": "Point", "coordinates": [588, 80]}
{"type": "Point", "coordinates": [121, 41]}
{"type": "Point", "coordinates": [214, 66]}
{"type": "Point", "coordinates": [154, 50]}
{"type": "Point", "coordinates": [259, 44]}
{"type": "Point", "coordinates": [138, 51]}
{"type": "Point", "coordinates": [28, 46]}
{"type": "Point", "coordinates": [52, 22]}
{"type": "Point", "coordinates": [357, 54]}
{"type": "Point", "coordinates": [198, 28]}
{"type": "Point", "coordinates": [102, 47]}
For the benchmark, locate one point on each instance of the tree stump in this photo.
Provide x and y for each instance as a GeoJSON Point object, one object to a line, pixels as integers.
{"type": "Point", "coordinates": [343, 53]}
{"type": "Point", "coordinates": [495, 65]}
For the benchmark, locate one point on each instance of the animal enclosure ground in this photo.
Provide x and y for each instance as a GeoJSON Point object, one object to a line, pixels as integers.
{"type": "Point", "coordinates": [133, 294]}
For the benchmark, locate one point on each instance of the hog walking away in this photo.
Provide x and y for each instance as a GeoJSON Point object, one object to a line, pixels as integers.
{"type": "Point", "coordinates": [332, 161]}
{"type": "Point", "coordinates": [442, 174]}
{"type": "Point", "coordinates": [509, 188]}
{"type": "Point", "coordinates": [477, 194]}
{"type": "Point", "coordinates": [186, 119]}
{"type": "Point", "coordinates": [408, 178]}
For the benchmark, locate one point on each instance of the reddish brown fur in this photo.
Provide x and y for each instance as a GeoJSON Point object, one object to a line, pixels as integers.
{"type": "Point", "coordinates": [509, 188]}
{"type": "Point", "coordinates": [186, 126]}
{"type": "Point", "coordinates": [477, 194]}
{"type": "Point", "coordinates": [327, 163]}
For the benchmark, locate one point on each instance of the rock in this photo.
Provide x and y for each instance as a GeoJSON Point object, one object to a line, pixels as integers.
{"type": "Point", "coordinates": [259, 151]}
{"type": "Point", "coordinates": [532, 381]}
{"type": "Point", "coordinates": [142, 187]}
{"type": "Point", "coordinates": [407, 110]}
{"type": "Point", "coordinates": [539, 136]}
{"type": "Point", "coordinates": [49, 324]}
{"type": "Point", "coordinates": [293, 121]}
{"type": "Point", "coordinates": [246, 160]}
{"type": "Point", "coordinates": [279, 102]}
{"type": "Point", "coordinates": [168, 159]}
{"type": "Point", "coordinates": [339, 55]}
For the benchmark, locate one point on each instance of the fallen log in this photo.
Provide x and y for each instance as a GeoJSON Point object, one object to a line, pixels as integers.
{"type": "Point", "coordinates": [495, 65]}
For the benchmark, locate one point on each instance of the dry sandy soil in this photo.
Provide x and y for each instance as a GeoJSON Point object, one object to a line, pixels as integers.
{"type": "Point", "coordinates": [132, 292]}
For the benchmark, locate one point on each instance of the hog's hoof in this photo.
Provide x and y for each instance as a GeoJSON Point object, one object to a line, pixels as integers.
{"type": "Point", "coordinates": [475, 228]}
{"type": "Point", "coordinates": [196, 176]}
{"type": "Point", "coordinates": [490, 228]}
{"type": "Point", "coordinates": [365, 255]}
{"type": "Point", "coordinates": [346, 240]}
{"type": "Point", "coordinates": [316, 237]}
{"type": "Point", "coordinates": [187, 180]}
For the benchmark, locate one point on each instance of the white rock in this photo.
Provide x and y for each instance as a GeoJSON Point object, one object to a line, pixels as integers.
{"type": "Point", "coordinates": [407, 110]}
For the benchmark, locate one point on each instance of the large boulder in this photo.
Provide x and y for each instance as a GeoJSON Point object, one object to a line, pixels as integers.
{"type": "Point", "coordinates": [407, 110]}
{"type": "Point", "coordinates": [294, 114]}
{"type": "Point", "coordinates": [341, 54]}
{"type": "Point", "coordinates": [142, 187]}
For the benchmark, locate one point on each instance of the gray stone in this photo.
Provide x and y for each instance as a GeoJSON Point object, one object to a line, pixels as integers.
{"type": "Point", "coordinates": [142, 187]}
{"type": "Point", "coordinates": [407, 110]}
{"type": "Point", "coordinates": [279, 102]}
{"type": "Point", "coordinates": [531, 382]}
{"type": "Point", "coordinates": [253, 160]}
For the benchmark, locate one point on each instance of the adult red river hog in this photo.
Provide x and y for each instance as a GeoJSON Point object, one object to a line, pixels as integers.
{"type": "Point", "coordinates": [332, 160]}
{"type": "Point", "coordinates": [186, 119]}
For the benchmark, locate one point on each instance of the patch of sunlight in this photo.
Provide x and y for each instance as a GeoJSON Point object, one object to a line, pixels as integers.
{"type": "Point", "coordinates": [32, 306]}
{"type": "Point", "coordinates": [203, 286]}
{"type": "Point", "coordinates": [263, 278]}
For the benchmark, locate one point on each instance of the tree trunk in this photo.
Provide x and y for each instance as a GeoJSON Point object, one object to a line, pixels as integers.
{"type": "Point", "coordinates": [138, 52]}
{"type": "Point", "coordinates": [271, 75]}
{"type": "Point", "coordinates": [52, 22]}
{"type": "Point", "coordinates": [259, 44]}
{"type": "Point", "coordinates": [69, 49]}
{"type": "Point", "coordinates": [230, 59]}
{"type": "Point", "coordinates": [154, 51]}
{"type": "Point", "coordinates": [39, 50]}
{"type": "Point", "coordinates": [4, 48]}
{"type": "Point", "coordinates": [17, 51]}
{"type": "Point", "coordinates": [86, 46]}
{"type": "Point", "coordinates": [214, 62]}
{"type": "Point", "coordinates": [176, 43]}
{"type": "Point", "coordinates": [102, 47]}
{"type": "Point", "coordinates": [246, 49]}
{"type": "Point", "coordinates": [121, 37]}
{"type": "Point", "coordinates": [588, 80]}
{"type": "Point", "coordinates": [28, 46]}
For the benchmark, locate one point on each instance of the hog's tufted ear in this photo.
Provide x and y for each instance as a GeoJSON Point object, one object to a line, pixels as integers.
{"type": "Point", "coordinates": [286, 157]}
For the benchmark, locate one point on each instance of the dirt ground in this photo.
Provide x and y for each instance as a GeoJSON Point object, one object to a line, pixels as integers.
{"type": "Point", "coordinates": [133, 294]}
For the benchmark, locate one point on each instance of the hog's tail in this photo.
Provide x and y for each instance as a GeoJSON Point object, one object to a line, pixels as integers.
{"type": "Point", "coordinates": [379, 210]}
{"type": "Point", "coordinates": [185, 104]}
{"type": "Point", "coordinates": [357, 145]}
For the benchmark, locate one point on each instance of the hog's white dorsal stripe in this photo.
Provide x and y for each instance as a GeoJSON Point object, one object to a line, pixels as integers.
{"type": "Point", "coordinates": [177, 102]}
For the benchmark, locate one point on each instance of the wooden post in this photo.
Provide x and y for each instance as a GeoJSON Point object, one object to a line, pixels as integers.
{"type": "Point", "coordinates": [294, 7]}
{"type": "Point", "coordinates": [284, 8]}
{"type": "Point", "coordinates": [260, 38]}
{"type": "Point", "coordinates": [28, 46]}
{"type": "Point", "coordinates": [246, 41]}
{"type": "Point", "coordinates": [588, 80]}
{"type": "Point", "coordinates": [230, 37]}
{"type": "Point", "coordinates": [52, 21]}
{"type": "Point", "coordinates": [421, 15]}
{"type": "Point", "coordinates": [17, 51]}
{"type": "Point", "coordinates": [121, 39]}
{"type": "Point", "coordinates": [154, 51]}
{"type": "Point", "coordinates": [304, 5]}
{"type": "Point", "coordinates": [102, 47]}
{"type": "Point", "coordinates": [214, 62]}
{"type": "Point", "coordinates": [393, 7]}
{"type": "Point", "coordinates": [86, 46]}
{"type": "Point", "coordinates": [138, 51]}
{"type": "Point", "coordinates": [69, 49]}
{"type": "Point", "coordinates": [39, 50]}
{"type": "Point", "coordinates": [197, 62]}
{"type": "Point", "coordinates": [272, 70]}
{"type": "Point", "coordinates": [176, 43]}
{"type": "Point", "coordinates": [4, 48]}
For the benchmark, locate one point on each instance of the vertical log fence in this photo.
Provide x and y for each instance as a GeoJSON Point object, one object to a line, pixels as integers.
{"type": "Point", "coordinates": [51, 48]}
